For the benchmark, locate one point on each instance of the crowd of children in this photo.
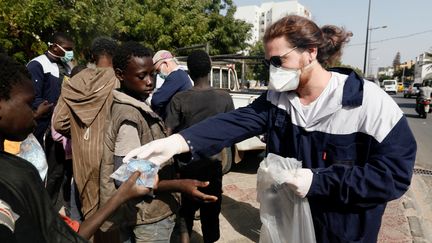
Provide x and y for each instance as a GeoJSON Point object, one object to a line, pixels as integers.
{"type": "Point", "coordinates": [100, 115]}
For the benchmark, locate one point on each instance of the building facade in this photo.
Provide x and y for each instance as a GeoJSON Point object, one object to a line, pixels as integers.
{"type": "Point", "coordinates": [423, 67]}
{"type": "Point", "coordinates": [263, 16]}
{"type": "Point", "coordinates": [386, 71]}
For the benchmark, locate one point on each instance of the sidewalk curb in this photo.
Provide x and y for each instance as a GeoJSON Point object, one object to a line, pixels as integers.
{"type": "Point", "coordinates": [416, 211]}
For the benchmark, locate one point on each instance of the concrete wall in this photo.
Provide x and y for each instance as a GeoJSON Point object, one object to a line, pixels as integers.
{"type": "Point", "coordinates": [267, 13]}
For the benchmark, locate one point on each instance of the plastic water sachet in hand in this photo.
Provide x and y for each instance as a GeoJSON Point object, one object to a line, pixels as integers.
{"type": "Point", "coordinates": [148, 172]}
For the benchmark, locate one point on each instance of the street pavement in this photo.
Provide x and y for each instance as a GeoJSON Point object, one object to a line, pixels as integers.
{"type": "Point", "coordinates": [407, 219]}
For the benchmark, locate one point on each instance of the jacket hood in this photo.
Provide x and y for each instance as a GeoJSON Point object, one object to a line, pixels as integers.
{"type": "Point", "coordinates": [353, 87]}
{"type": "Point", "coordinates": [87, 92]}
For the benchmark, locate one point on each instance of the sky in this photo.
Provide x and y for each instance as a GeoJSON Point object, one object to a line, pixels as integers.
{"type": "Point", "coordinates": [409, 27]}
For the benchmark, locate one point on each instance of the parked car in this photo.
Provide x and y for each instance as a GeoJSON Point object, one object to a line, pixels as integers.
{"type": "Point", "coordinates": [390, 86]}
{"type": "Point", "coordinates": [412, 90]}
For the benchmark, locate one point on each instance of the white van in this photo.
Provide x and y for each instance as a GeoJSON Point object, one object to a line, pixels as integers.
{"type": "Point", "coordinates": [390, 86]}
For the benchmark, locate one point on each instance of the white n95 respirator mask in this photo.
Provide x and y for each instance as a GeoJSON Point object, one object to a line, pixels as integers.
{"type": "Point", "coordinates": [284, 79]}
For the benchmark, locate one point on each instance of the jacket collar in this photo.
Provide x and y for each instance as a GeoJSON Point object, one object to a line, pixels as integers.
{"type": "Point", "coordinates": [353, 87]}
{"type": "Point", "coordinates": [123, 98]}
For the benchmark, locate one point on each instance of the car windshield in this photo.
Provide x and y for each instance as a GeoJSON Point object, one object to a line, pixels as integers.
{"type": "Point", "coordinates": [416, 85]}
{"type": "Point", "coordinates": [389, 83]}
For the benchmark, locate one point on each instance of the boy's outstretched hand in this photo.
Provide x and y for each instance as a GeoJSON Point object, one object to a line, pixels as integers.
{"type": "Point", "coordinates": [126, 191]}
{"type": "Point", "coordinates": [129, 189]}
{"type": "Point", "coordinates": [189, 187]}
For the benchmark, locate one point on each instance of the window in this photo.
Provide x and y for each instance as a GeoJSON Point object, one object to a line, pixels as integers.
{"type": "Point", "coordinates": [216, 78]}
{"type": "Point", "coordinates": [224, 80]}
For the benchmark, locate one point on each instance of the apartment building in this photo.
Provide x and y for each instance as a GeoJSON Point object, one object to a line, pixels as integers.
{"type": "Point", "coordinates": [267, 13]}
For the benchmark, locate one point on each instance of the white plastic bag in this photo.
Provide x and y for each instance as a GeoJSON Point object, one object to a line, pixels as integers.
{"type": "Point", "coordinates": [285, 217]}
{"type": "Point", "coordinates": [32, 151]}
{"type": "Point", "coordinates": [148, 172]}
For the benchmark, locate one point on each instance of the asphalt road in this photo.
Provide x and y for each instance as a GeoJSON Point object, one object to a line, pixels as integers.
{"type": "Point", "coordinates": [422, 129]}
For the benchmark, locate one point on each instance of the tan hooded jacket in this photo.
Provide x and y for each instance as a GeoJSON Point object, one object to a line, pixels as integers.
{"type": "Point", "coordinates": [82, 113]}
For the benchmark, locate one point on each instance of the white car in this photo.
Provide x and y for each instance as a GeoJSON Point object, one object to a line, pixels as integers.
{"type": "Point", "coordinates": [390, 86]}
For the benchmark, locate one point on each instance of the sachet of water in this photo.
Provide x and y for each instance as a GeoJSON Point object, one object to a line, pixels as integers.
{"type": "Point", "coordinates": [148, 172]}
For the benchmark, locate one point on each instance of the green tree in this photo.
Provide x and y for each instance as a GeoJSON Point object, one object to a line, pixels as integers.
{"type": "Point", "coordinates": [396, 60]}
{"type": "Point", "coordinates": [404, 74]}
{"type": "Point", "coordinates": [227, 34]}
{"type": "Point", "coordinates": [25, 25]}
{"type": "Point", "coordinates": [256, 68]}
{"type": "Point", "coordinates": [384, 77]}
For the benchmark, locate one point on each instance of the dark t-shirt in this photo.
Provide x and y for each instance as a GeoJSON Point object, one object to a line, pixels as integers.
{"type": "Point", "coordinates": [176, 81]}
{"type": "Point", "coordinates": [192, 106]}
{"type": "Point", "coordinates": [36, 220]}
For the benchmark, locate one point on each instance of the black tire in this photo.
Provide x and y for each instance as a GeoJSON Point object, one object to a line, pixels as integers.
{"type": "Point", "coordinates": [226, 159]}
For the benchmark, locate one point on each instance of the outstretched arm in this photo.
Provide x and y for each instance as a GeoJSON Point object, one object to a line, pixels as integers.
{"type": "Point", "coordinates": [188, 187]}
{"type": "Point", "coordinates": [126, 191]}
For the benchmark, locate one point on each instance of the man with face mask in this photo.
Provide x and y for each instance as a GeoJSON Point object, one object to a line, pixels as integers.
{"type": "Point", "coordinates": [47, 73]}
{"type": "Point", "coordinates": [175, 80]}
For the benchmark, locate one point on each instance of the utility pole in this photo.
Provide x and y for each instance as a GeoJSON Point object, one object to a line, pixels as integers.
{"type": "Point", "coordinates": [367, 40]}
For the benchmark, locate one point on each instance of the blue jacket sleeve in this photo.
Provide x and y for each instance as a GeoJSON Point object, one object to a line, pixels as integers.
{"type": "Point", "coordinates": [386, 176]}
{"type": "Point", "coordinates": [37, 75]}
{"type": "Point", "coordinates": [175, 82]}
{"type": "Point", "coordinates": [225, 129]}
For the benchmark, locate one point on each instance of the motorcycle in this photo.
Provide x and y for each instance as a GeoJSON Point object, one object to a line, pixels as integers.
{"type": "Point", "coordinates": [423, 107]}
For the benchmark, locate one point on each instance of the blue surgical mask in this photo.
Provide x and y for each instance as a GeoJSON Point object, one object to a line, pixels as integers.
{"type": "Point", "coordinates": [68, 56]}
{"type": "Point", "coordinates": [161, 74]}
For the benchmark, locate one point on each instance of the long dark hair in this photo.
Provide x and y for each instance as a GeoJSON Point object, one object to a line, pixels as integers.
{"type": "Point", "coordinates": [304, 33]}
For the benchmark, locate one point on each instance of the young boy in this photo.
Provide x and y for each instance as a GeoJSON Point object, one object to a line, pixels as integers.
{"type": "Point", "coordinates": [132, 124]}
{"type": "Point", "coordinates": [26, 213]}
{"type": "Point", "coordinates": [185, 109]}
{"type": "Point", "coordinates": [81, 114]}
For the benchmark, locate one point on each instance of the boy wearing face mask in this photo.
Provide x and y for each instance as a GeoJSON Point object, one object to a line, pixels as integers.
{"type": "Point", "coordinates": [175, 80]}
{"type": "Point", "coordinates": [47, 72]}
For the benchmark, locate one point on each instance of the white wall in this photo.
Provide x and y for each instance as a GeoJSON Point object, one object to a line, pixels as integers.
{"type": "Point", "coordinates": [251, 15]}
{"type": "Point", "coordinates": [267, 13]}
{"type": "Point", "coordinates": [420, 71]}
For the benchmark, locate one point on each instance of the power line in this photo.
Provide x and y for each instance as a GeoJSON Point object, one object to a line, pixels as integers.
{"type": "Point", "coordinates": [393, 38]}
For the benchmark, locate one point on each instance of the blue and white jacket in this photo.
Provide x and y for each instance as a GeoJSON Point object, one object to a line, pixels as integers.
{"type": "Point", "coordinates": [359, 147]}
{"type": "Point", "coordinates": [47, 80]}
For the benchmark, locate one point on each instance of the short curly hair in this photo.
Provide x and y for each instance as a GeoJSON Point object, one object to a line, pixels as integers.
{"type": "Point", "coordinates": [60, 38]}
{"type": "Point", "coordinates": [12, 73]}
{"type": "Point", "coordinates": [103, 46]}
{"type": "Point", "coordinates": [199, 64]}
{"type": "Point", "coordinates": [126, 51]}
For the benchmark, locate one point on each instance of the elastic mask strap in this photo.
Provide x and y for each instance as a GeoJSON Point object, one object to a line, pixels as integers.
{"type": "Point", "coordinates": [54, 55]}
{"type": "Point", "coordinates": [310, 64]}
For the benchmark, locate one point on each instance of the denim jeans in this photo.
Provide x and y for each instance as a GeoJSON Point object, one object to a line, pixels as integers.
{"type": "Point", "coordinates": [156, 232]}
